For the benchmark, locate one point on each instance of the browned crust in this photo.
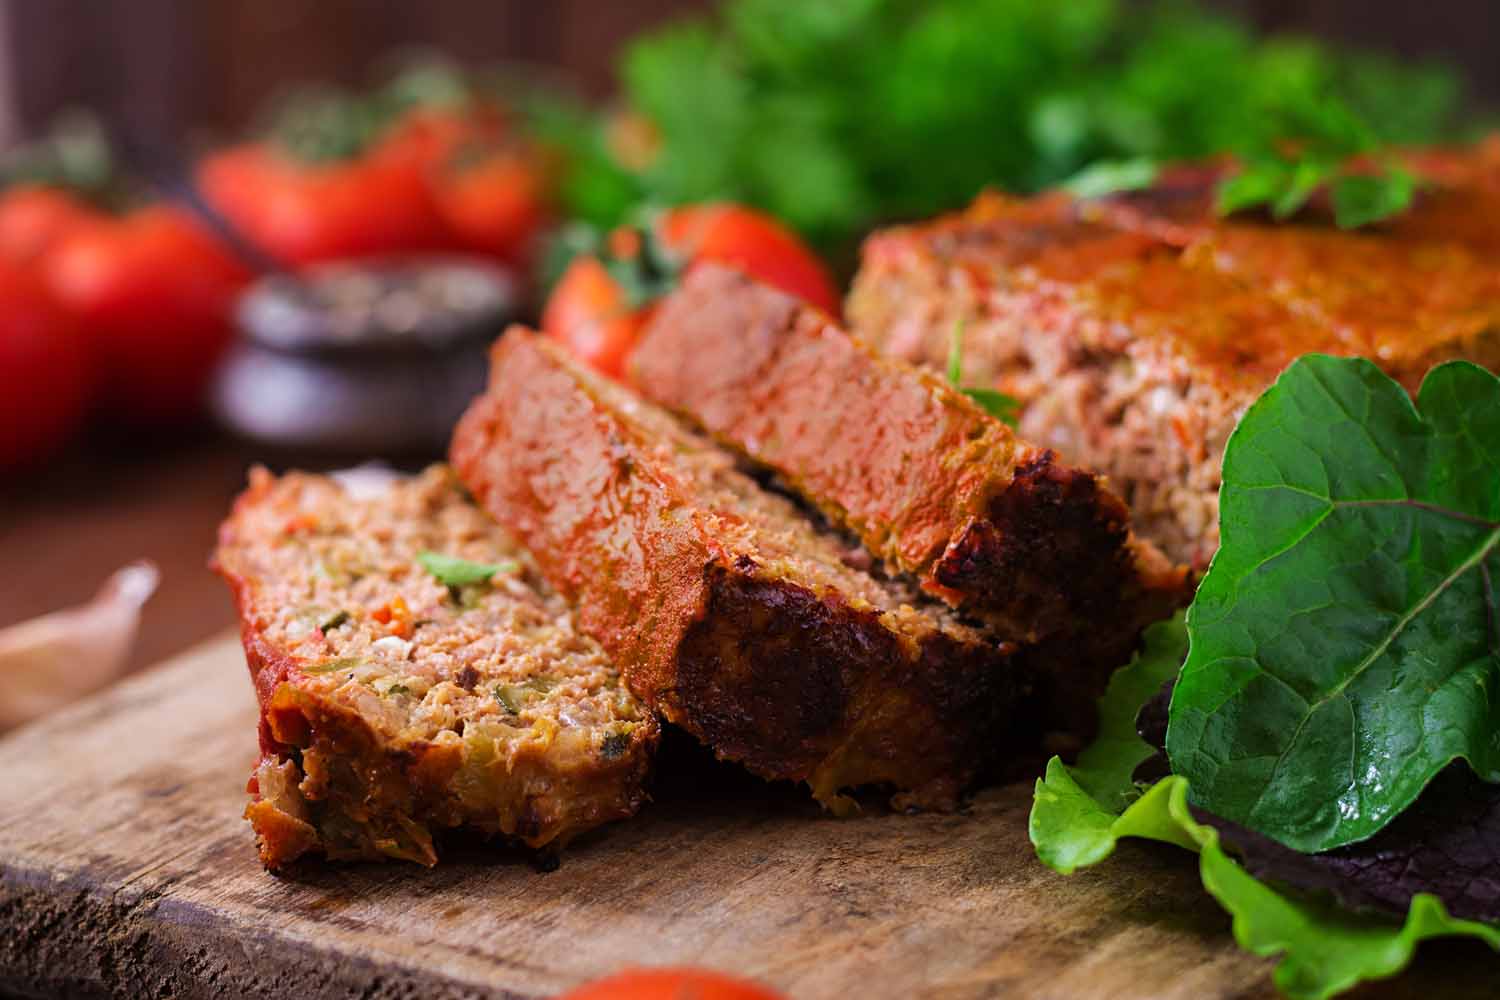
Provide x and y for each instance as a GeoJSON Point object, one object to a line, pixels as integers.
{"type": "Point", "coordinates": [375, 802]}
{"type": "Point", "coordinates": [928, 480]}
{"type": "Point", "coordinates": [1198, 315]}
{"type": "Point", "coordinates": [795, 684]}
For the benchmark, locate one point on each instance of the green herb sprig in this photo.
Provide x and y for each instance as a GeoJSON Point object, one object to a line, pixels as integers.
{"type": "Point", "coordinates": [838, 117]}
{"type": "Point", "coordinates": [997, 404]}
{"type": "Point", "coordinates": [454, 572]}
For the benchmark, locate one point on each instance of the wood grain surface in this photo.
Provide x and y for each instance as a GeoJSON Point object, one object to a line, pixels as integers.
{"type": "Point", "coordinates": [125, 870]}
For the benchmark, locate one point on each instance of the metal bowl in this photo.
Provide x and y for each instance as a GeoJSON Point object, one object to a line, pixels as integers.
{"type": "Point", "coordinates": [375, 356]}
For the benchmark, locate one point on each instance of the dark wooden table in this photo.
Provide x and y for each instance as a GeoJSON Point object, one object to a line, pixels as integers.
{"type": "Point", "coordinates": [65, 527]}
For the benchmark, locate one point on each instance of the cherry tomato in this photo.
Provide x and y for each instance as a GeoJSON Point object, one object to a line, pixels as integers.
{"type": "Point", "coordinates": [671, 984]}
{"type": "Point", "coordinates": [45, 370]}
{"type": "Point", "coordinates": [35, 218]}
{"type": "Point", "coordinates": [753, 242]}
{"type": "Point", "coordinates": [589, 312]}
{"type": "Point", "coordinates": [301, 213]}
{"type": "Point", "coordinates": [428, 138]}
{"type": "Point", "coordinates": [493, 199]}
{"type": "Point", "coordinates": [154, 292]}
{"type": "Point", "coordinates": [593, 315]}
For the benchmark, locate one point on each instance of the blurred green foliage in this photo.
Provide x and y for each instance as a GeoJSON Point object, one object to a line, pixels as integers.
{"type": "Point", "coordinates": [839, 114]}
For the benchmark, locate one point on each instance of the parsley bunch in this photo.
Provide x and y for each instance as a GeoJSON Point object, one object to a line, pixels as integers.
{"type": "Point", "coordinates": [842, 114]}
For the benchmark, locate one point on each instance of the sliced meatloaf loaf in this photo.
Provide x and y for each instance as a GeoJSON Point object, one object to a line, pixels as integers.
{"type": "Point", "coordinates": [395, 705]}
{"type": "Point", "coordinates": [930, 482]}
{"type": "Point", "coordinates": [728, 609]}
{"type": "Point", "coordinates": [1134, 349]}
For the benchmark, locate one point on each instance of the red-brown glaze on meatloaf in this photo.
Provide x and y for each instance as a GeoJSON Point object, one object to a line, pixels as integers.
{"type": "Point", "coordinates": [930, 482]}
{"type": "Point", "coordinates": [728, 610]}
{"type": "Point", "coordinates": [1134, 348]}
{"type": "Point", "coordinates": [393, 706]}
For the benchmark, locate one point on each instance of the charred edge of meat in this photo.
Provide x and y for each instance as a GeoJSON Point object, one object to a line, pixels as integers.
{"type": "Point", "coordinates": [1049, 516]}
{"type": "Point", "coordinates": [836, 694]}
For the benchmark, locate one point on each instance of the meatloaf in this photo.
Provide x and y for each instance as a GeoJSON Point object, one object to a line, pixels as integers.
{"type": "Point", "coordinates": [394, 705]}
{"type": "Point", "coordinates": [1135, 346]}
{"type": "Point", "coordinates": [931, 484]}
{"type": "Point", "coordinates": [730, 611]}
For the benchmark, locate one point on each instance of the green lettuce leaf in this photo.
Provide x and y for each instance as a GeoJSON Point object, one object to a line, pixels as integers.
{"type": "Point", "coordinates": [1079, 813]}
{"type": "Point", "coordinates": [1325, 950]}
{"type": "Point", "coordinates": [1345, 642]}
{"type": "Point", "coordinates": [1105, 769]}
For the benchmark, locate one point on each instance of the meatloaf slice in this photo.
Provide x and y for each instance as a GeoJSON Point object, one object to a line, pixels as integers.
{"type": "Point", "coordinates": [730, 611]}
{"type": "Point", "coordinates": [1134, 349]}
{"type": "Point", "coordinates": [393, 705]}
{"type": "Point", "coordinates": [930, 482]}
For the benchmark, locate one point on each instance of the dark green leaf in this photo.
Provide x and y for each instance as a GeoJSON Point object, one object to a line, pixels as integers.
{"type": "Point", "coordinates": [454, 572]}
{"type": "Point", "coordinates": [1344, 640]}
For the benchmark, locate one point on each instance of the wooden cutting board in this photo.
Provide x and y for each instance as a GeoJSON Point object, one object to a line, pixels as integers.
{"type": "Point", "coordinates": [125, 870]}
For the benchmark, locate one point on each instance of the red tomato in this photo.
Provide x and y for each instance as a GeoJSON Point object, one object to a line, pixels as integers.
{"type": "Point", "coordinates": [155, 293]}
{"type": "Point", "coordinates": [589, 313]}
{"type": "Point", "coordinates": [45, 370]}
{"type": "Point", "coordinates": [494, 200]}
{"type": "Point", "coordinates": [671, 984]}
{"type": "Point", "coordinates": [34, 218]}
{"type": "Point", "coordinates": [753, 242]}
{"type": "Point", "coordinates": [427, 138]}
{"type": "Point", "coordinates": [302, 213]}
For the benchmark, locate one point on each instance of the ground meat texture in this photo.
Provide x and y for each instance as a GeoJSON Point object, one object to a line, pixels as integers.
{"type": "Point", "coordinates": [1135, 340]}
{"type": "Point", "coordinates": [394, 706]}
{"type": "Point", "coordinates": [733, 613]}
{"type": "Point", "coordinates": [932, 484]}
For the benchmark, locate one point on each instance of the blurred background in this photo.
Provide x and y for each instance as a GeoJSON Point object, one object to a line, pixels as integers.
{"type": "Point", "coordinates": [176, 66]}
{"type": "Point", "coordinates": [149, 353]}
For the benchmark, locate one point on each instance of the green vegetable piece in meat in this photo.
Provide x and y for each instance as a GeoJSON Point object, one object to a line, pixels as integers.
{"type": "Point", "coordinates": [513, 697]}
{"type": "Point", "coordinates": [454, 572]}
{"type": "Point", "coordinates": [997, 404]}
{"type": "Point", "coordinates": [332, 666]}
{"type": "Point", "coordinates": [1345, 642]}
{"type": "Point", "coordinates": [334, 620]}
